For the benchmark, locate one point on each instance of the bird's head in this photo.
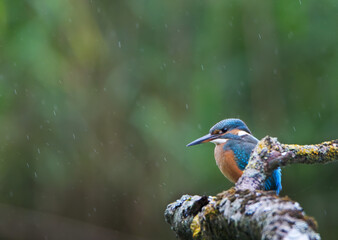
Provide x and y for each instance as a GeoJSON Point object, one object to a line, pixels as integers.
{"type": "Point", "coordinates": [217, 133]}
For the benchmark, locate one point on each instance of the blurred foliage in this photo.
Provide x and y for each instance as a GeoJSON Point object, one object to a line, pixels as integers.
{"type": "Point", "coordinates": [99, 98]}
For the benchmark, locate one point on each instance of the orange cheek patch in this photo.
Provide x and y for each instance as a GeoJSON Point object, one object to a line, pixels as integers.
{"type": "Point", "coordinates": [234, 131]}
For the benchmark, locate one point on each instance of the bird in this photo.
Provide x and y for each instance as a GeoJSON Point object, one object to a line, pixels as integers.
{"type": "Point", "coordinates": [234, 145]}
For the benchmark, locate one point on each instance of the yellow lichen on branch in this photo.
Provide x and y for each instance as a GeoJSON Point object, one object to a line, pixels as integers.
{"type": "Point", "coordinates": [195, 226]}
{"type": "Point", "coordinates": [207, 213]}
{"type": "Point", "coordinates": [317, 153]}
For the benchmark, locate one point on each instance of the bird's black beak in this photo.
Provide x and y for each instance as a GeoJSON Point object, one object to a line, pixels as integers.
{"type": "Point", "coordinates": [206, 138]}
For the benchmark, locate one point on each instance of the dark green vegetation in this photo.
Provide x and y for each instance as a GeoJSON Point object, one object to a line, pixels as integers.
{"type": "Point", "coordinates": [99, 98]}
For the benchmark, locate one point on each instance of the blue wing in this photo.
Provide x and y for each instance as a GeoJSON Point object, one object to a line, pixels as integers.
{"type": "Point", "coordinates": [275, 181]}
{"type": "Point", "coordinates": [242, 154]}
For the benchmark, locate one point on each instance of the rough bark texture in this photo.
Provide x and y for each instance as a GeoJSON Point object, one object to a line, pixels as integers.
{"type": "Point", "coordinates": [239, 214]}
{"type": "Point", "coordinates": [247, 212]}
{"type": "Point", "coordinates": [270, 154]}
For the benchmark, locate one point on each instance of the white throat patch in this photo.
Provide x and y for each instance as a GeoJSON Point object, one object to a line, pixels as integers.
{"type": "Point", "coordinates": [242, 133]}
{"type": "Point", "coordinates": [222, 140]}
{"type": "Point", "coordinates": [219, 141]}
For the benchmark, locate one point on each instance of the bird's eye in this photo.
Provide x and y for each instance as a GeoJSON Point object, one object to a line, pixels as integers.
{"type": "Point", "coordinates": [217, 131]}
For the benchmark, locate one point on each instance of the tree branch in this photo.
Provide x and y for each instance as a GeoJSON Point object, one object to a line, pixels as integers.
{"type": "Point", "coordinates": [237, 214]}
{"type": "Point", "coordinates": [270, 154]}
{"type": "Point", "coordinates": [247, 212]}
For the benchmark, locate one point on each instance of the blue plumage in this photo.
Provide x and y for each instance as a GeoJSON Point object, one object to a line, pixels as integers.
{"type": "Point", "coordinates": [232, 135]}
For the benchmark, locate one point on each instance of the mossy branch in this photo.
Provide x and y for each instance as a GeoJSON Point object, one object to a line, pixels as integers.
{"type": "Point", "coordinates": [247, 212]}
{"type": "Point", "coordinates": [238, 214]}
{"type": "Point", "coordinates": [270, 154]}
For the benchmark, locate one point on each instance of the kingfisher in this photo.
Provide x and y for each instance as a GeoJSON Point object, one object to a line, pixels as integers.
{"type": "Point", "coordinates": [234, 145]}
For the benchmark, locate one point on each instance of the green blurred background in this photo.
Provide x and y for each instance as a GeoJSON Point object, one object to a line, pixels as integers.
{"type": "Point", "coordinates": [99, 98]}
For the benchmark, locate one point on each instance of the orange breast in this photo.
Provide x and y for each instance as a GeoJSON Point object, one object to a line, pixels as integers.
{"type": "Point", "coordinates": [225, 161]}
